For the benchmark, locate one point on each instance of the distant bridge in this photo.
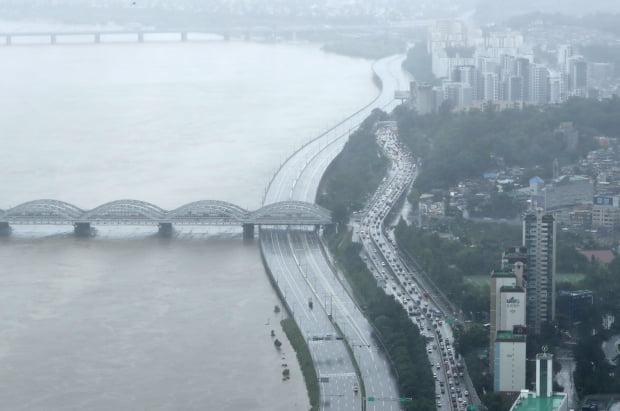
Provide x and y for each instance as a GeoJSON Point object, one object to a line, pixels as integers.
{"type": "Point", "coordinates": [135, 212]}
{"type": "Point", "coordinates": [98, 36]}
{"type": "Point", "coordinates": [140, 35]}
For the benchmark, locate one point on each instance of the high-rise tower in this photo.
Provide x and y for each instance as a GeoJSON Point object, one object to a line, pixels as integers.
{"type": "Point", "coordinates": [539, 239]}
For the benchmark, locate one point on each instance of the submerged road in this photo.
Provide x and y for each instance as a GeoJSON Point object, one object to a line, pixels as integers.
{"type": "Point", "coordinates": [302, 272]}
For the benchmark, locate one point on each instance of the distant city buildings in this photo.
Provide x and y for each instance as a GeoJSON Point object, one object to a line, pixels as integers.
{"type": "Point", "coordinates": [496, 67]}
{"type": "Point", "coordinates": [606, 211]}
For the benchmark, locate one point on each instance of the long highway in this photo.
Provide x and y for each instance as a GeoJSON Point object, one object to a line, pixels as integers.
{"type": "Point", "coordinates": [318, 301]}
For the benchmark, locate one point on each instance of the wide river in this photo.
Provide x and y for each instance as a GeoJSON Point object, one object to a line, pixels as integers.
{"type": "Point", "coordinates": [126, 320]}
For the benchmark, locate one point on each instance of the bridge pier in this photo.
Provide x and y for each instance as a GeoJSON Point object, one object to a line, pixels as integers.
{"type": "Point", "coordinates": [165, 229]}
{"type": "Point", "coordinates": [5, 228]}
{"type": "Point", "coordinates": [97, 38]}
{"type": "Point", "coordinates": [8, 40]}
{"type": "Point", "coordinates": [81, 229]}
{"type": "Point", "coordinates": [248, 231]}
{"type": "Point", "coordinates": [52, 39]}
{"type": "Point", "coordinates": [140, 37]}
{"type": "Point", "coordinates": [183, 36]}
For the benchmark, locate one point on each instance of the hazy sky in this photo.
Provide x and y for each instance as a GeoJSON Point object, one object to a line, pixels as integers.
{"type": "Point", "coordinates": [492, 10]}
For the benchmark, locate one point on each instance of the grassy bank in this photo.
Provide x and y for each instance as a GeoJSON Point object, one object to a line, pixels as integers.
{"type": "Point", "coordinates": [305, 360]}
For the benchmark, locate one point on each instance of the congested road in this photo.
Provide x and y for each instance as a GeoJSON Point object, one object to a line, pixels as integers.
{"type": "Point", "coordinates": [395, 276]}
{"type": "Point", "coordinates": [317, 300]}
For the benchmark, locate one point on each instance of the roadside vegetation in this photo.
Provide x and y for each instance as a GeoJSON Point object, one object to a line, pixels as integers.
{"type": "Point", "coordinates": [304, 358]}
{"type": "Point", "coordinates": [354, 175]}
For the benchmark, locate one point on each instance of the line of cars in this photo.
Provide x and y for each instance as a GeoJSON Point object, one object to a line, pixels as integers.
{"type": "Point", "coordinates": [382, 257]}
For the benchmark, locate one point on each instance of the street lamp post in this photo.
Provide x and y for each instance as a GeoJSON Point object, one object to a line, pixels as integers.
{"type": "Point", "coordinates": [331, 305]}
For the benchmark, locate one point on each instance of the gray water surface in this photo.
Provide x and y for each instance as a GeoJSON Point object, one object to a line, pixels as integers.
{"type": "Point", "coordinates": [126, 320]}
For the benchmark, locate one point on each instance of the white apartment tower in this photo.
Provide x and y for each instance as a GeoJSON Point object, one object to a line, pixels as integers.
{"type": "Point", "coordinates": [565, 52]}
{"type": "Point", "coordinates": [539, 84]}
{"type": "Point", "coordinates": [508, 339]}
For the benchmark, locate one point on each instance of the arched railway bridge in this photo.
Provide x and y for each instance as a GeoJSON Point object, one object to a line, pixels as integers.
{"type": "Point", "coordinates": [135, 212]}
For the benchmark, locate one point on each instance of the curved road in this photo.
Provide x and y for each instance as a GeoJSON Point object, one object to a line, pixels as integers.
{"type": "Point", "coordinates": [302, 273]}
{"type": "Point", "coordinates": [393, 272]}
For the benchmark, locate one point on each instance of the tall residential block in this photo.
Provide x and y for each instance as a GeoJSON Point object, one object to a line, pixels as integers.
{"type": "Point", "coordinates": [509, 362]}
{"type": "Point", "coordinates": [424, 99]}
{"type": "Point", "coordinates": [508, 339]}
{"type": "Point", "coordinates": [499, 279]}
{"type": "Point", "coordinates": [539, 84]}
{"type": "Point", "coordinates": [539, 234]}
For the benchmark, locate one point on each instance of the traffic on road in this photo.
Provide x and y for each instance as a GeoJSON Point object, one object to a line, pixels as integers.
{"type": "Point", "coordinates": [394, 275]}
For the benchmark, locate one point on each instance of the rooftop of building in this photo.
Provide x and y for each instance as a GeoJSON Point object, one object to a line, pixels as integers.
{"type": "Point", "coordinates": [514, 254]}
{"type": "Point", "coordinates": [566, 179]}
{"type": "Point", "coordinates": [536, 179]}
{"type": "Point", "coordinates": [533, 403]}
{"type": "Point", "coordinates": [514, 288]}
{"type": "Point", "coordinates": [505, 335]}
{"type": "Point", "coordinates": [576, 293]}
{"type": "Point", "coordinates": [502, 273]}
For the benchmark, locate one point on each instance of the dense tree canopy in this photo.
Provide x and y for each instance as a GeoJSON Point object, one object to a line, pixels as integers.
{"type": "Point", "coordinates": [464, 145]}
{"type": "Point", "coordinates": [356, 172]}
{"type": "Point", "coordinates": [419, 64]}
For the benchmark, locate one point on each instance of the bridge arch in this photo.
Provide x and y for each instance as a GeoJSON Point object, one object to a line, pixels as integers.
{"type": "Point", "coordinates": [127, 210]}
{"type": "Point", "coordinates": [212, 210]}
{"type": "Point", "coordinates": [43, 210]}
{"type": "Point", "coordinates": [291, 212]}
{"type": "Point", "coordinates": [142, 213]}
